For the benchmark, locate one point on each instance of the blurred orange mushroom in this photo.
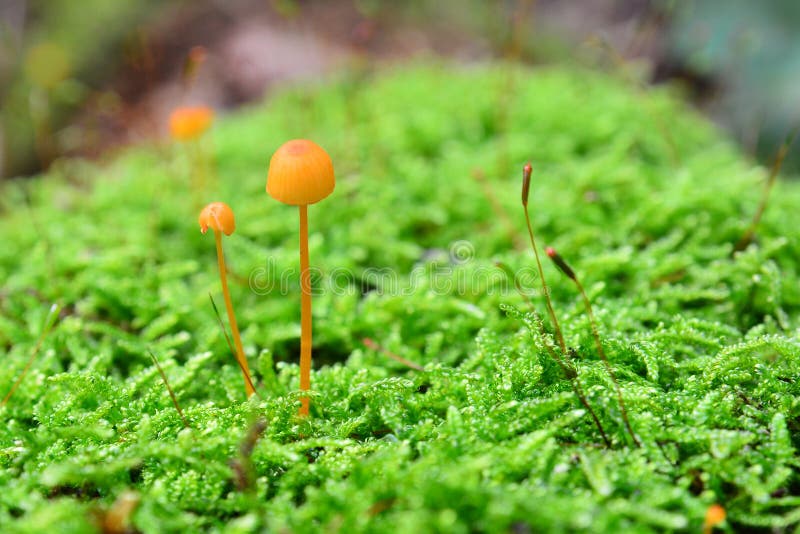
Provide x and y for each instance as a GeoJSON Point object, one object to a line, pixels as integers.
{"type": "Point", "coordinates": [187, 123]}
{"type": "Point", "coordinates": [219, 217]}
{"type": "Point", "coordinates": [714, 516]}
{"type": "Point", "coordinates": [301, 173]}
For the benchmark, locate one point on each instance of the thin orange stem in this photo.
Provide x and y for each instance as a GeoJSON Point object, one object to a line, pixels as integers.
{"type": "Point", "coordinates": [237, 339]}
{"type": "Point", "coordinates": [305, 312]}
{"type": "Point", "coordinates": [550, 311]}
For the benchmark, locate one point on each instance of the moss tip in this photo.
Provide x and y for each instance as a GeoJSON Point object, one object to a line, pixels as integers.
{"type": "Point", "coordinates": [526, 182]}
{"type": "Point", "coordinates": [560, 262]}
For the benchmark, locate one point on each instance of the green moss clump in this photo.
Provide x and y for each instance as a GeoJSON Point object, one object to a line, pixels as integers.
{"type": "Point", "coordinates": [642, 196]}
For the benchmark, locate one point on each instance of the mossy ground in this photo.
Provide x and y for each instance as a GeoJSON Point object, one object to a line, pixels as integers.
{"type": "Point", "coordinates": [643, 197]}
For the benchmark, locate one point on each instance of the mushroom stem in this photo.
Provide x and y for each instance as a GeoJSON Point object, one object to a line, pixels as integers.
{"type": "Point", "coordinates": [237, 339]}
{"type": "Point", "coordinates": [305, 311]}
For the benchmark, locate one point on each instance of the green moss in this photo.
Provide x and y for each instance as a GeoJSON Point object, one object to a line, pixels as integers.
{"type": "Point", "coordinates": [489, 437]}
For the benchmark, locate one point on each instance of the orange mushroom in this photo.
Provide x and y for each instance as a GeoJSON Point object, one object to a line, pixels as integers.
{"type": "Point", "coordinates": [715, 514]}
{"type": "Point", "coordinates": [187, 123]}
{"type": "Point", "coordinates": [219, 217]}
{"type": "Point", "coordinates": [301, 173]}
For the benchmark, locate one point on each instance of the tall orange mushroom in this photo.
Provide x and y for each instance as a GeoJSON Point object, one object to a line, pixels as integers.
{"type": "Point", "coordinates": [219, 217]}
{"type": "Point", "coordinates": [301, 173]}
{"type": "Point", "coordinates": [715, 514]}
{"type": "Point", "coordinates": [187, 123]}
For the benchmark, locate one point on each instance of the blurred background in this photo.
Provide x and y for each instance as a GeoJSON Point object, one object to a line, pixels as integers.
{"type": "Point", "coordinates": [85, 78]}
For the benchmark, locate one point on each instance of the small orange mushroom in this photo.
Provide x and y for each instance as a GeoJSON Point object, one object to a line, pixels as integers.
{"type": "Point", "coordinates": [219, 217]}
{"type": "Point", "coordinates": [714, 516]}
{"type": "Point", "coordinates": [301, 173]}
{"type": "Point", "coordinates": [187, 123]}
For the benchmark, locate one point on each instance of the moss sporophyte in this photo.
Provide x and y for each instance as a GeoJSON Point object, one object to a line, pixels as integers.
{"type": "Point", "coordinates": [563, 360]}
{"type": "Point", "coordinates": [219, 217]}
{"type": "Point", "coordinates": [301, 173]}
{"type": "Point", "coordinates": [564, 267]}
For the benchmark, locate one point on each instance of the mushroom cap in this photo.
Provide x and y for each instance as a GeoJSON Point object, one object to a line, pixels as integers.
{"type": "Point", "coordinates": [714, 515]}
{"type": "Point", "coordinates": [190, 122]}
{"type": "Point", "coordinates": [300, 173]}
{"type": "Point", "coordinates": [219, 217]}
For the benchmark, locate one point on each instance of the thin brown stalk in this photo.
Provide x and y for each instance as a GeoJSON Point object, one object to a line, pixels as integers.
{"type": "Point", "coordinates": [396, 357]}
{"type": "Point", "coordinates": [49, 321]}
{"type": "Point", "coordinates": [526, 175]}
{"type": "Point", "coordinates": [169, 388]}
{"type": "Point", "coordinates": [243, 471]}
{"type": "Point", "coordinates": [191, 67]}
{"type": "Point", "coordinates": [498, 209]}
{"type": "Point", "coordinates": [570, 273]}
{"type": "Point", "coordinates": [571, 373]}
{"type": "Point", "coordinates": [748, 235]}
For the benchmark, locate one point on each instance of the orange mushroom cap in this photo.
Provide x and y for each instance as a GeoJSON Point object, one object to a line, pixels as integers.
{"type": "Point", "coordinates": [219, 217]}
{"type": "Point", "coordinates": [190, 122]}
{"type": "Point", "coordinates": [714, 515]}
{"type": "Point", "coordinates": [300, 173]}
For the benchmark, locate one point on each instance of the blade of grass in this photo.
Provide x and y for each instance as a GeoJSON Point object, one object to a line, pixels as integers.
{"type": "Point", "coordinates": [169, 388]}
{"type": "Point", "coordinates": [775, 170]}
{"type": "Point", "coordinates": [230, 345]}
